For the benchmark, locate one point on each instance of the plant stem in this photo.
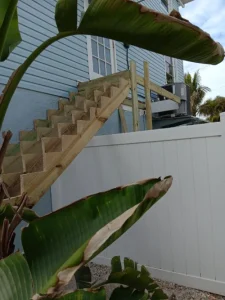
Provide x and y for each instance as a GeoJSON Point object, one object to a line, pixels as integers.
{"type": "Point", "coordinates": [14, 80]}
{"type": "Point", "coordinates": [6, 23]}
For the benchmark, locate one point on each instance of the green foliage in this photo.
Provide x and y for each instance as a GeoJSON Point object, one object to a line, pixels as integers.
{"type": "Point", "coordinates": [82, 230]}
{"type": "Point", "coordinates": [16, 282]}
{"type": "Point", "coordinates": [129, 22]}
{"type": "Point", "coordinates": [9, 28]}
{"type": "Point", "coordinates": [135, 284]}
{"type": "Point", "coordinates": [59, 244]}
{"type": "Point", "coordinates": [197, 91]}
{"type": "Point", "coordinates": [66, 15]}
{"type": "Point", "coordinates": [137, 281]}
{"type": "Point", "coordinates": [212, 108]}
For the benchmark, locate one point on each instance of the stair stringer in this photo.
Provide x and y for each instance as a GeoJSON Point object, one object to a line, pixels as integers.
{"type": "Point", "coordinates": [36, 184]}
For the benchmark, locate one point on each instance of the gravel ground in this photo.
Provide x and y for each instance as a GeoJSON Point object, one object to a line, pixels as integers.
{"type": "Point", "coordinates": [174, 291]}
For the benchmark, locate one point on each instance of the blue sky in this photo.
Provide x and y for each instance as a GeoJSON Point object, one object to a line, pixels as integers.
{"type": "Point", "coordinates": [209, 15]}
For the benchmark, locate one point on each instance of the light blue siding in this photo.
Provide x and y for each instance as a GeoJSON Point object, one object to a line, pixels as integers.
{"type": "Point", "coordinates": [58, 69]}
{"type": "Point", "coordinates": [175, 4]}
{"type": "Point", "coordinates": [26, 106]}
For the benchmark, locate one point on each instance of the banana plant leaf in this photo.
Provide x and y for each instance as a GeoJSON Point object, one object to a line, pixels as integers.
{"type": "Point", "coordinates": [66, 15]}
{"type": "Point", "coordinates": [134, 24]}
{"type": "Point", "coordinates": [9, 28]}
{"type": "Point", "coordinates": [57, 245]}
{"type": "Point", "coordinates": [138, 282]}
{"type": "Point", "coordinates": [15, 276]}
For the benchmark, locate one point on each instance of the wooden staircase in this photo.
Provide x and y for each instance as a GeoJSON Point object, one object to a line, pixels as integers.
{"type": "Point", "coordinates": [44, 153]}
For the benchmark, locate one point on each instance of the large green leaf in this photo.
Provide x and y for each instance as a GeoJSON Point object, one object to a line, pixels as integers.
{"type": "Point", "coordinates": [9, 28]}
{"type": "Point", "coordinates": [65, 240]}
{"type": "Point", "coordinates": [66, 15]}
{"type": "Point", "coordinates": [15, 278]}
{"type": "Point", "coordinates": [132, 23]}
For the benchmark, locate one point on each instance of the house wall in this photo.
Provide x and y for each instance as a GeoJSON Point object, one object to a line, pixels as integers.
{"type": "Point", "coordinates": [56, 71]}
{"type": "Point", "coordinates": [181, 239]}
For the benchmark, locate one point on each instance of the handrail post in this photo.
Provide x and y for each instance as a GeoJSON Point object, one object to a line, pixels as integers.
{"type": "Point", "coordinates": [133, 74]}
{"type": "Point", "coordinates": [123, 119]}
{"type": "Point", "coordinates": [147, 96]}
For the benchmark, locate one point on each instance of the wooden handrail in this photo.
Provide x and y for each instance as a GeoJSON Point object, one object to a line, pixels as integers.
{"type": "Point", "coordinates": [134, 80]}
{"type": "Point", "coordinates": [158, 89]}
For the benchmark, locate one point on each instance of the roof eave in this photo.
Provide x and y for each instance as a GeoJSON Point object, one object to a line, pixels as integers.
{"type": "Point", "coordinates": [185, 1]}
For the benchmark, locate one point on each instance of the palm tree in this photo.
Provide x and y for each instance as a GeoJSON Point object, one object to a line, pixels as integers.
{"type": "Point", "coordinates": [197, 90]}
{"type": "Point", "coordinates": [212, 108]}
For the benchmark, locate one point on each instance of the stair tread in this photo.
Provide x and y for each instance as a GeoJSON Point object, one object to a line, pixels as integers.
{"type": "Point", "coordinates": [29, 135]}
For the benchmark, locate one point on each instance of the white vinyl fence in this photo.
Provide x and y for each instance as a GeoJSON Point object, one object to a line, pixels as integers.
{"type": "Point", "coordinates": [182, 238]}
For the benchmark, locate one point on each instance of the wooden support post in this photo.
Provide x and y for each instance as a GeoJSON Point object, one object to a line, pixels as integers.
{"type": "Point", "coordinates": [133, 74]}
{"type": "Point", "coordinates": [122, 119]}
{"type": "Point", "coordinates": [147, 96]}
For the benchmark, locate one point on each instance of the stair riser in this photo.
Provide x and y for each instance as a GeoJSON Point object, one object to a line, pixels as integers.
{"type": "Point", "coordinates": [33, 163]}
{"type": "Point", "coordinates": [47, 132]}
{"type": "Point", "coordinates": [51, 145]}
{"type": "Point", "coordinates": [12, 164]}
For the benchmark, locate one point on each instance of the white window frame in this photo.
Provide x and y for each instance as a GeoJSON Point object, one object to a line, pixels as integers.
{"type": "Point", "coordinates": [92, 74]}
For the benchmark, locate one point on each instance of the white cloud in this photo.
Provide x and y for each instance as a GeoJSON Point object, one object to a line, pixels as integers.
{"type": "Point", "coordinates": [208, 15]}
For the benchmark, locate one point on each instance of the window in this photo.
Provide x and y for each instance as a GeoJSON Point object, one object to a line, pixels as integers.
{"type": "Point", "coordinates": [165, 4]}
{"type": "Point", "coordinates": [101, 55]}
{"type": "Point", "coordinates": [169, 70]}
{"type": "Point", "coordinates": [101, 52]}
